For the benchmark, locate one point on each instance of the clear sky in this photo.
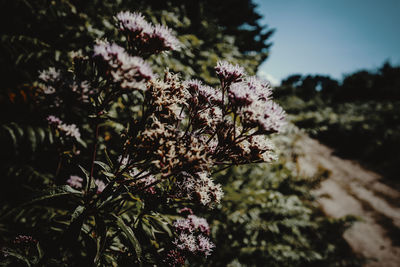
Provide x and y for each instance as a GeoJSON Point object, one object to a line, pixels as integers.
{"type": "Point", "coordinates": [331, 37]}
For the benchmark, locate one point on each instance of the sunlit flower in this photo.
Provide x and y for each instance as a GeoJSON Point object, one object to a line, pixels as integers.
{"type": "Point", "coordinates": [134, 23]}
{"type": "Point", "coordinates": [163, 35]}
{"type": "Point", "coordinates": [229, 73]}
{"type": "Point", "coordinates": [125, 70]}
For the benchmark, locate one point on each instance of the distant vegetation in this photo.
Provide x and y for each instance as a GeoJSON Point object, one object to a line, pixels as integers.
{"type": "Point", "coordinates": [359, 117]}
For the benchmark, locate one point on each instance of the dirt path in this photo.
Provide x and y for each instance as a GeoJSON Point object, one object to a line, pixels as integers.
{"type": "Point", "coordinates": [350, 189]}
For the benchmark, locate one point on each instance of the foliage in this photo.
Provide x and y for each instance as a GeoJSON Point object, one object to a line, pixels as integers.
{"type": "Point", "coordinates": [269, 217]}
{"type": "Point", "coordinates": [359, 117]}
{"type": "Point", "coordinates": [128, 174]}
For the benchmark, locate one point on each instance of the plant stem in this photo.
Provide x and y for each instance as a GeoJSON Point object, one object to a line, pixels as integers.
{"type": "Point", "coordinates": [93, 155]}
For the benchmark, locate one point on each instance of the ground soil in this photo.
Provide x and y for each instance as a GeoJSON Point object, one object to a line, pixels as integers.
{"type": "Point", "coordinates": [351, 189]}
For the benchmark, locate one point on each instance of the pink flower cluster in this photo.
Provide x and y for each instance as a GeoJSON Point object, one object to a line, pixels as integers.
{"type": "Point", "coordinates": [148, 38]}
{"type": "Point", "coordinates": [67, 129]}
{"type": "Point", "coordinates": [125, 70]}
{"type": "Point", "coordinates": [75, 182]}
{"type": "Point", "coordinates": [192, 236]}
{"type": "Point", "coordinates": [229, 73]}
{"type": "Point", "coordinates": [201, 188]}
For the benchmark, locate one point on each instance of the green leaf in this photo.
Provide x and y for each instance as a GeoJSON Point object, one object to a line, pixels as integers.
{"type": "Point", "coordinates": [148, 229]}
{"type": "Point", "coordinates": [77, 212]}
{"type": "Point", "coordinates": [131, 236]}
{"type": "Point", "coordinates": [12, 135]}
{"type": "Point", "coordinates": [162, 224]}
{"type": "Point", "coordinates": [19, 257]}
{"type": "Point", "coordinates": [101, 240]}
{"type": "Point", "coordinates": [32, 138]}
{"type": "Point", "coordinates": [87, 175]}
{"type": "Point", "coordinates": [108, 158]}
{"type": "Point", "coordinates": [103, 166]}
{"type": "Point", "coordinates": [75, 226]}
{"type": "Point", "coordinates": [51, 193]}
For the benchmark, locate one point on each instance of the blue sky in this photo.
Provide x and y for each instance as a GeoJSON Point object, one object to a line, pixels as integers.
{"type": "Point", "coordinates": [330, 37]}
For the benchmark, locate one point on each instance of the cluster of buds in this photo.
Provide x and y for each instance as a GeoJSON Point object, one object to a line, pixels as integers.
{"type": "Point", "coordinates": [24, 239]}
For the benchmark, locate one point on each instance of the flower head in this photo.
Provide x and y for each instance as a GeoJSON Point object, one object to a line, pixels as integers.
{"type": "Point", "coordinates": [53, 120]}
{"type": "Point", "coordinates": [149, 38]}
{"type": "Point", "coordinates": [229, 73]}
{"type": "Point", "coordinates": [100, 185]}
{"type": "Point", "coordinates": [70, 130]}
{"type": "Point", "coordinates": [127, 71]}
{"type": "Point", "coordinates": [134, 23]}
{"type": "Point", "coordinates": [50, 75]}
{"type": "Point", "coordinates": [75, 181]}
{"type": "Point", "coordinates": [205, 246]}
{"type": "Point", "coordinates": [164, 37]}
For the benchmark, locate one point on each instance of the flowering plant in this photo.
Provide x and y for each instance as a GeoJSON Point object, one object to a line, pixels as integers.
{"type": "Point", "coordinates": [150, 147]}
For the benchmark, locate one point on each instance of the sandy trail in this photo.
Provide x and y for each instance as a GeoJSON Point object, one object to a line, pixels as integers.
{"type": "Point", "coordinates": [350, 189]}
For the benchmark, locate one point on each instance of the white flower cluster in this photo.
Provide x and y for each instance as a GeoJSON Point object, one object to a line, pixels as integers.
{"type": "Point", "coordinates": [229, 73]}
{"type": "Point", "coordinates": [83, 90]}
{"type": "Point", "coordinates": [68, 129]}
{"type": "Point", "coordinates": [192, 235]}
{"type": "Point", "coordinates": [149, 38]}
{"type": "Point", "coordinates": [142, 179]}
{"type": "Point", "coordinates": [75, 181]}
{"type": "Point", "coordinates": [125, 70]}
{"type": "Point", "coordinates": [50, 77]}
{"type": "Point", "coordinates": [200, 188]}
{"type": "Point", "coordinates": [203, 93]}
{"type": "Point", "coordinates": [100, 185]}
{"type": "Point", "coordinates": [251, 97]}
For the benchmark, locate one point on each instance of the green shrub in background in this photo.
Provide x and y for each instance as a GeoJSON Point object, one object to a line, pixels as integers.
{"type": "Point", "coordinates": [359, 118]}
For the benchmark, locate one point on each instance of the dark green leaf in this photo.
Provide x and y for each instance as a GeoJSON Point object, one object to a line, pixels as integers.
{"type": "Point", "coordinates": [131, 236]}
